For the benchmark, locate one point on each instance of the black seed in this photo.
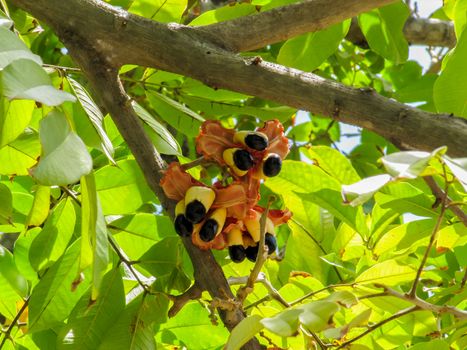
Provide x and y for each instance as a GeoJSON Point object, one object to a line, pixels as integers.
{"type": "Point", "coordinates": [252, 253]}
{"type": "Point", "coordinates": [208, 231]}
{"type": "Point", "coordinates": [237, 253]}
{"type": "Point", "coordinates": [243, 159]}
{"type": "Point", "coordinates": [195, 211]}
{"type": "Point", "coordinates": [182, 226]}
{"type": "Point", "coordinates": [272, 165]}
{"type": "Point", "coordinates": [271, 243]}
{"type": "Point", "coordinates": [257, 142]}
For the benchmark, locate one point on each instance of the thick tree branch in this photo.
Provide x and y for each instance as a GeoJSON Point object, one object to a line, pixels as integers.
{"type": "Point", "coordinates": [196, 53]}
{"type": "Point", "coordinates": [417, 31]}
{"type": "Point", "coordinates": [281, 23]}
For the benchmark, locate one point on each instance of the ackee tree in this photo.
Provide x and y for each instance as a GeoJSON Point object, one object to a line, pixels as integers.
{"type": "Point", "coordinates": [124, 159]}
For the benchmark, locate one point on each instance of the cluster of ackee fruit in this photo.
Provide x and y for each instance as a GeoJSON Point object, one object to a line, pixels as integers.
{"type": "Point", "coordinates": [227, 215]}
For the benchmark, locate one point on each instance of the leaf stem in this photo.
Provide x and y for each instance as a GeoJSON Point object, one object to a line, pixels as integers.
{"type": "Point", "coordinates": [7, 333]}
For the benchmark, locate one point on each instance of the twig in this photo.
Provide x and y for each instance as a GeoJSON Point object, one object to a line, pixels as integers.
{"type": "Point", "coordinates": [63, 68]}
{"type": "Point", "coordinates": [272, 292]}
{"type": "Point", "coordinates": [439, 194]}
{"type": "Point", "coordinates": [194, 163]}
{"type": "Point", "coordinates": [464, 279]}
{"type": "Point", "coordinates": [379, 324]}
{"type": "Point", "coordinates": [304, 229]}
{"type": "Point", "coordinates": [260, 260]}
{"type": "Point", "coordinates": [422, 304]}
{"type": "Point", "coordinates": [7, 333]}
{"type": "Point", "coordinates": [71, 194]}
{"type": "Point", "coordinates": [128, 264]}
{"type": "Point", "coordinates": [310, 294]}
{"type": "Point", "coordinates": [413, 290]}
{"type": "Point", "coordinates": [313, 335]}
{"type": "Point", "coordinates": [179, 301]}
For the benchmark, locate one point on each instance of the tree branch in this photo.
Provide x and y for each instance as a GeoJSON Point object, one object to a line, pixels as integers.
{"type": "Point", "coordinates": [417, 31]}
{"type": "Point", "coordinates": [253, 32]}
{"type": "Point", "coordinates": [199, 54]}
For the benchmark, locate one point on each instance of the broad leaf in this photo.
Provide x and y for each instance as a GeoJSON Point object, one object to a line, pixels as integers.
{"type": "Point", "coordinates": [284, 324]}
{"type": "Point", "coordinates": [175, 114]}
{"type": "Point", "coordinates": [40, 207]}
{"type": "Point", "coordinates": [64, 156]}
{"type": "Point", "coordinates": [95, 116]}
{"type": "Point", "coordinates": [243, 332]}
{"type": "Point", "coordinates": [20, 155]}
{"type": "Point", "coordinates": [458, 168]}
{"type": "Point", "coordinates": [306, 52]}
{"type": "Point", "coordinates": [317, 315]}
{"type": "Point", "coordinates": [360, 192]}
{"type": "Point", "coordinates": [57, 292]}
{"type": "Point", "coordinates": [10, 273]}
{"type": "Point", "coordinates": [390, 273]}
{"type": "Point", "coordinates": [14, 119]}
{"type": "Point", "coordinates": [159, 10]}
{"type": "Point", "coordinates": [94, 243]}
{"type": "Point", "coordinates": [6, 204]}
{"type": "Point", "coordinates": [383, 30]}
{"type": "Point", "coordinates": [14, 49]}
{"type": "Point", "coordinates": [25, 79]}
{"type": "Point", "coordinates": [450, 91]}
{"type": "Point", "coordinates": [90, 320]}
{"type": "Point", "coordinates": [163, 140]}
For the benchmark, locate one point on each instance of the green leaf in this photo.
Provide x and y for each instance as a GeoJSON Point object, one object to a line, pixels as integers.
{"type": "Point", "coordinates": [145, 225]}
{"type": "Point", "coordinates": [361, 191]}
{"type": "Point", "coordinates": [57, 292]}
{"type": "Point", "coordinates": [54, 238]}
{"type": "Point", "coordinates": [159, 10]}
{"type": "Point", "coordinates": [306, 52]}
{"type": "Point", "coordinates": [20, 155]}
{"type": "Point", "coordinates": [313, 185]}
{"type": "Point", "coordinates": [458, 168]}
{"type": "Point", "coordinates": [196, 88]}
{"type": "Point", "coordinates": [317, 315]}
{"type": "Point", "coordinates": [14, 119]}
{"type": "Point", "coordinates": [22, 251]}
{"type": "Point", "coordinates": [383, 30]}
{"type": "Point", "coordinates": [65, 157]}
{"type": "Point", "coordinates": [122, 189]}
{"type": "Point", "coordinates": [6, 204]}
{"type": "Point", "coordinates": [223, 14]}
{"type": "Point", "coordinates": [134, 329]}
{"type": "Point", "coordinates": [40, 206]}
{"type": "Point", "coordinates": [193, 328]}
{"type": "Point", "coordinates": [8, 298]}
{"type": "Point", "coordinates": [409, 164]}
{"type": "Point", "coordinates": [433, 344]}
{"type": "Point", "coordinates": [460, 17]}
{"type": "Point", "coordinates": [284, 324]}
{"type": "Point", "coordinates": [452, 236]}
{"type": "Point", "coordinates": [344, 298]}
{"type": "Point", "coordinates": [94, 243]}
{"type": "Point", "coordinates": [90, 320]}
{"type": "Point", "coordinates": [164, 261]}
{"type": "Point", "coordinates": [450, 90]}
{"type": "Point", "coordinates": [10, 273]}
{"type": "Point", "coordinates": [5, 21]}
{"type": "Point", "coordinates": [332, 162]}
{"type": "Point", "coordinates": [405, 236]}
{"type": "Point", "coordinates": [164, 141]}
{"type": "Point", "coordinates": [25, 79]}
{"type": "Point", "coordinates": [14, 49]}
{"type": "Point", "coordinates": [216, 109]}
{"type": "Point", "coordinates": [389, 273]}
{"type": "Point", "coordinates": [244, 331]}
{"type": "Point", "coordinates": [175, 114]}
{"type": "Point", "coordinates": [95, 116]}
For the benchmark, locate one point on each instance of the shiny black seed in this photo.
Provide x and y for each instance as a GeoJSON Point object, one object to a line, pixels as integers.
{"type": "Point", "coordinates": [195, 211]}
{"type": "Point", "coordinates": [272, 165]}
{"type": "Point", "coordinates": [256, 142]}
{"type": "Point", "coordinates": [252, 253]}
{"type": "Point", "coordinates": [237, 253]}
{"type": "Point", "coordinates": [243, 159]}
{"type": "Point", "coordinates": [208, 231]}
{"type": "Point", "coordinates": [271, 243]}
{"type": "Point", "coordinates": [182, 226]}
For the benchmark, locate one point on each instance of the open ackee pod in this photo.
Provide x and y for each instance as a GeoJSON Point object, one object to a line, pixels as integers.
{"type": "Point", "coordinates": [227, 147]}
